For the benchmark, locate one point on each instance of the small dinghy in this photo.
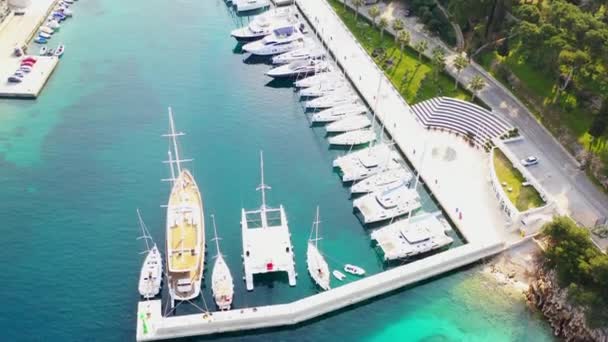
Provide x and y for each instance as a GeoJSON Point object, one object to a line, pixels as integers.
{"type": "Point", "coordinates": [17, 78]}
{"type": "Point", "coordinates": [43, 51]}
{"type": "Point", "coordinates": [40, 40]}
{"type": "Point", "coordinates": [59, 50]}
{"type": "Point", "coordinates": [46, 30]}
{"type": "Point", "coordinates": [54, 24]}
{"type": "Point", "coordinates": [44, 35]}
{"type": "Point", "coordinates": [352, 269]}
{"type": "Point", "coordinates": [358, 137]}
{"type": "Point", "coordinates": [351, 123]}
{"type": "Point", "coordinates": [339, 275]}
{"type": "Point", "coordinates": [151, 273]}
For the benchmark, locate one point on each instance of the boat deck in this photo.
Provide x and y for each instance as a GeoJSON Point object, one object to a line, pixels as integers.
{"type": "Point", "coordinates": [267, 248]}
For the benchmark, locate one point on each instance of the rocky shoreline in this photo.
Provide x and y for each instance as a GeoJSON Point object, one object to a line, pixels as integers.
{"type": "Point", "coordinates": [567, 320]}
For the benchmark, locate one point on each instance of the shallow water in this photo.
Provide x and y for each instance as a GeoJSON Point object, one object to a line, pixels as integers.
{"type": "Point", "coordinates": [78, 161]}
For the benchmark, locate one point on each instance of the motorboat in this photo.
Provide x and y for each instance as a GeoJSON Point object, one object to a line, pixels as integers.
{"type": "Point", "coordinates": [29, 59]}
{"type": "Point", "coordinates": [15, 79]}
{"type": "Point", "coordinates": [390, 202]}
{"type": "Point", "coordinates": [315, 261]}
{"type": "Point", "coordinates": [413, 236]}
{"type": "Point", "coordinates": [309, 51]}
{"type": "Point", "coordinates": [66, 11]}
{"type": "Point", "coordinates": [381, 180]}
{"type": "Point", "coordinates": [338, 275]}
{"type": "Point", "coordinates": [26, 68]}
{"type": "Point", "coordinates": [251, 5]}
{"type": "Point", "coordinates": [281, 40]}
{"type": "Point", "coordinates": [338, 112]}
{"type": "Point", "coordinates": [352, 269]}
{"type": "Point", "coordinates": [297, 68]}
{"type": "Point", "coordinates": [40, 40]}
{"type": "Point", "coordinates": [358, 137]}
{"type": "Point", "coordinates": [43, 51]}
{"type": "Point", "coordinates": [326, 77]}
{"type": "Point", "coordinates": [44, 35]}
{"type": "Point", "coordinates": [336, 98]}
{"type": "Point", "coordinates": [54, 24]}
{"type": "Point", "coordinates": [263, 24]}
{"type": "Point", "coordinates": [59, 51]}
{"type": "Point", "coordinates": [151, 274]}
{"type": "Point", "coordinates": [367, 162]}
{"type": "Point", "coordinates": [323, 89]}
{"type": "Point", "coordinates": [222, 284]}
{"type": "Point", "coordinates": [351, 123]}
{"type": "Point", "coordinates": [46, 30]}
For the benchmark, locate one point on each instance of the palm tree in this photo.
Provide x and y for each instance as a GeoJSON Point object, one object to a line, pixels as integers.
{"type": "Point", "coordinates": [460, 62]}
{"type": "Point", "coordinates": [357, 4]}
{"type": "Point", "coordinates": [382, 24]}
{"type": "Point", "coordinates": [403, 37]}
{"type": "Point", "coordinates": [397, 26]}
{"type": "Point", "coordinates": [374, 12]}
{"type": "Point", "coordinates": [477, 84]}
{"type": "Point", "coordinates": [421, 47]}
{"type": "Point", "coordinates": [438, 61]}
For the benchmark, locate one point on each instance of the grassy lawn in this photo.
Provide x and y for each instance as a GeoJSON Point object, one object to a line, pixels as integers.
{"type": "Point", "coordinates": [419, 83]}
{"type": "Point", "coordinates": [524, 197]}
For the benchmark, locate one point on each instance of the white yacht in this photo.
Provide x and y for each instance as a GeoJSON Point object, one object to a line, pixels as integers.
{"type": "Point", "coordinates": [263, 24]}
{"type": "Point", "coordinates": [318, 79]}
{"type": "Point", "coordinates": [336, 98]}
{"type": "Point", "coordinates": [388, 203]}
{"type": "Point", "coordinates": [338, 112]}
{"type": "Point", "coordinates": [250, 5]}
{"type": "Point", "coordinates": [281, 40]}
{"type": "Point", "coordinates": [297, 68]}
{"type": "Point", "coordinates": [381, 180]}
{"type": "Point", "coordinates": [310, 51]}
{"type": "Point", "coordinates": [317, 266]}
{"type": "Point", "coordinates": [358, 137]}
{"type": "Point", "coordinates": [323, 89]}
{"type": "Point", "coordinates": [351, 123]}
{"type": "Point", "coordinates": [407, 238]}
{"type": "Point", "coordinates": [151, 274]}
{"type": "Point", "coordinates": [222, 284]}
{"type": "Point", "coordinates": [366, 162]}
{"type": "Point", "coordinates": [352, 269]}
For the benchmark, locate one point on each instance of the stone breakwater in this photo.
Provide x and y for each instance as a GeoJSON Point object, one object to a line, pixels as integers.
{"type": "Point", "coordinates": [567, 320]}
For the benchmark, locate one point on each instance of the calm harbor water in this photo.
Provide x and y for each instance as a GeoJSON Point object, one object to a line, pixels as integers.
{"type": "Point", "coordinates": [77, 162]}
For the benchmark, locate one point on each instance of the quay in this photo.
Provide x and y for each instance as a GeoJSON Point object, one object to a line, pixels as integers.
{"type": "Point", "coordinates": [452, 170]}
{"type": "Point", "coordinates": [18, 31]}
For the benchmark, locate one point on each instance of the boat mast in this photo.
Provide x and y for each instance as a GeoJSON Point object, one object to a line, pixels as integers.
{"type": "Point", "coordinates": [315, 229]}
{"type": "Point", "coordinates": [173, 135]}
{"type": "Point", "coordinates": [217, 244]}
{"type": "Point", "coordinates": [145, 234]}
{"type": "Point", "coordinates": [262, 187]}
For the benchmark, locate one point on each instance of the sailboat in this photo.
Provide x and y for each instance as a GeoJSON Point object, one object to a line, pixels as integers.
{"type": "Point", "coordinates": [185, 228]}
{"type": "Point", "coordinates": [151, 273]}
{"type": "Point", "coordinates": [222, 284]}
{"type": "Point", "coordinates": [317, 266]}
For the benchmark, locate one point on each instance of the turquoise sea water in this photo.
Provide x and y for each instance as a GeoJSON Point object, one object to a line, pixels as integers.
{"type": "Point", "coordinates": [77, 162]}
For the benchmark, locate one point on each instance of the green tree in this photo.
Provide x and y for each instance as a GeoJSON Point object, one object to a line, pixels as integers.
{"type": "Point", "coordinates": [374, 12]}
{"type": "Point", "coordinates": [476, 85]}
{"type": "Point", "coordinates": [569, 63]}
{"type": "Point", "coordinates": [357, 4]}
{"type": "Point", "coordinates": [421, 47]}
{"type": "Point", "coordinates": [438, 61]}
{"type": "Point", "coordinates": [403, 38]}
{"type": "Point", "coordinates": [460, 63]}
{"type": "Point", "coordinates": [382, 24]}
{"type": "Point", "coordinates": [398, 27]}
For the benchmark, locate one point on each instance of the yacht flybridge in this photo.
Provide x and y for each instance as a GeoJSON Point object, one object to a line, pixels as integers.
{"type": "Point", "coordinates": [263, 24]}
{"type": "Point", "coordinates": [317, 266]}
{"type": "Point", "coordinates": [366, 162]}
{"type": "Point", "coordinates": [407, 238]}
{"type": "Point", "coordinates": [267, 244]}
{"type": "Point", "coordinates": [338, 112]}
{"type": "Point", "coordinates": [297, 68]}
{"type": "Point", "coordinates": [388, 203]}
{"type": "Point", "coordinates": [222, 284]}
{"type": "Point", "coordinates": [381, 180]}
{"type": "Point", "coordinates": [358, 137]}
{"type": "Point", "coordinates": [185, 227]}
{"type": "Point", "coordinates": [281, 40]}
{"type": "Point", "coordinates": [151, 273]}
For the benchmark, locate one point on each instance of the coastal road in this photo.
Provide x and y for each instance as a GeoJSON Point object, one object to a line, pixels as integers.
{"type": "Point", "coordinates": [558, 172]}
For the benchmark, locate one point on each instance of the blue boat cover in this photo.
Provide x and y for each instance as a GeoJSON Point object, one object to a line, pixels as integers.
{"type": "Point", "coordinates": [284, 31]}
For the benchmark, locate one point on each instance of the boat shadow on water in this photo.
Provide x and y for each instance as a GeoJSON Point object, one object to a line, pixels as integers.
{"type": "Point", "coordinates": [255, 59]}
{"type": "Point", "coordinates": [269, 280]}
{"type": "Point", "coordinates": [279, 83]}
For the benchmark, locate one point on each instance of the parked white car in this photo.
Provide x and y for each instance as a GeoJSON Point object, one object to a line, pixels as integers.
{"type": "Point", "coordinates": [531, 160]}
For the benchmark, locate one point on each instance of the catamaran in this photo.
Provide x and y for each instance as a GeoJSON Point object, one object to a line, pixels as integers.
{"type": "Point", "coordinates": [185, 228]}
{"type": "Point", "coordinates": [338, 112]}
{"type": "Point", "coordinates": [317, 266]}
{"type": "Point", "coordinates": [222, 284]}
{"type": "Point", "coordinates": [351, 123]}
{"type": "Point", "coordinates": [388, 203]}
{"type": "Point", "coordinates": [151, 274]}
{"type": "Point", "coordinates": [381, 180]}
{"type": "Point", "coordinates": [352, 138]}
{"type": "Point", "coordinates": [366, 162]}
